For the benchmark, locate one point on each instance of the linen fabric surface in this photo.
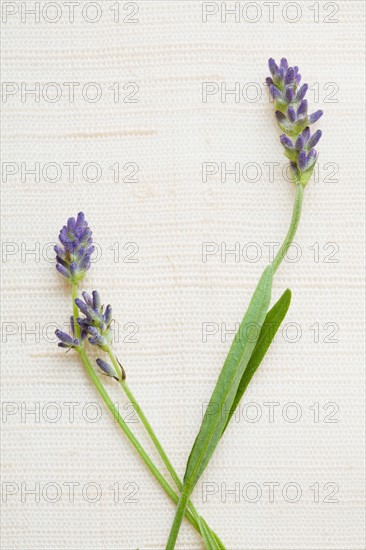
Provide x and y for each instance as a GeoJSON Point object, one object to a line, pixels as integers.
{"type": "Point", "coordinates": [143, 142]}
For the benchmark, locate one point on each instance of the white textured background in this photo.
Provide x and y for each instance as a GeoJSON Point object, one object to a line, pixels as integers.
{"type": "Point", "coordinates": [170, 292]}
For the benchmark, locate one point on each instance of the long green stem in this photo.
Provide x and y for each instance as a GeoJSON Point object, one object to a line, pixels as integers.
{"type": "Point", "coordinates": [296, 214]}
{"type": "Point", "coordinates": [192, 515]}
{"type": "Point", "coordinates": [145, 422]}
{"type": "Point", "coordinates": [155, 439]}
{"type": "Point", "coordinates": [179, 515]}
{"type": "Point", "coordinates": [145, 457]}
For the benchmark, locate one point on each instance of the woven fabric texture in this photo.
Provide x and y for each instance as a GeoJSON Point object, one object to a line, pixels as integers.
{"type": "Point", "coordinates": [152, 117]}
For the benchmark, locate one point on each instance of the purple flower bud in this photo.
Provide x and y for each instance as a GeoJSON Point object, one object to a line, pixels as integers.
{"type": "Point", "coordinates": [272, 66]}
{"type": "Point", "coordinates": [85, 263]}
{"type": "Point", "coordinates": [302, 160]}
{"type": "Point", "coordinates": [96, 300]}
{"type": "Point", "coordinates": [65, 338]}
{"type": "Point", "coordinates": [314, 139]}
{"type": "Point", "coordinates": [108, 315]}
{"type": "Point", "coordinates": [275, 92]}
{"type": "Point", "coordinates": [284, 64]}
{"type": "Point", "coordinates": [59, 252]}
{"type": "Point", "coordinates": [281, 73]}
{"type": "Point", "coordinates": [300, 142]}
{"type": "Point", "coordinates": [98, 340]}
{"type": "Point", "coordinates": [61, 269]}
{"type": "Point", "coordinates": [93, 331]}
{"type": "Point", "coordinates": [315, 116]}
{"type": "Point", "coordinates": [289, 94]}
{"type": "Point", "coordinates": [286, 141]}
{"type": "Point", "coordinates": [312, 156]}
{"type": "Point", "coordinates": [302, 92]}
{"type": "Point", "coordinates": [70, 225]}
{"type": "Point", "coordinates": [107, 369]}
{"type": "Point", "coordinates": [298, 78]}
{"type": "Point", "coordinates": [80, 219]}
{"type": "Point", "coordinates": [66, 341]}
{"type": "Point", "coordinates": [269, 81]}
{"type": "Point", "coordinates": [87, 298]}
{"type": "Point", "coordinates": [290, 76]}
{"type": "Point", "coordinates": [291, 115]}
{"type": "Point", "coordinates": [306, 134]}
{"type": "Point", "coordinates": [84, 308]}
{"type": "Point", "coordinates": [302, 110]}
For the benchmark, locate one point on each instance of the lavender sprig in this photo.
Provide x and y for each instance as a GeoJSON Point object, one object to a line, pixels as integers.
{"type": "Point", "coordinates": [73, 257]}
{"type": "Point", "coordinates": [293, 119]}
{"type": "Point", "coordinates": [292, 116]}
{"type": "Point", "coordinates": [72, 262]}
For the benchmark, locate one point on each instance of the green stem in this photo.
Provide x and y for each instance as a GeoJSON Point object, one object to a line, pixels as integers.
{"type": "Point", "coordinates": [296, 214]}
{"type": "Point", "coordinates": [75, 311]}
{"type": "Point", "coordinates": [154, 438]}
{"type": "Point", "coordinates": [145, 422]}
{"type": "Point", "coordinates": [145, 457]}
{"type": "Point", "coordinates": [181, 510]}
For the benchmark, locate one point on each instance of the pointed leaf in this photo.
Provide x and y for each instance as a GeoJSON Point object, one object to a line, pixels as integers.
{"type": "Point", "coordinates": [224, 393]}
{"type": "Point", "coordinates": [270, 327]}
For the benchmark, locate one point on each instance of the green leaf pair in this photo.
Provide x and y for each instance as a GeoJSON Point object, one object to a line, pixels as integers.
{"type": "Point", "coordinates": [256, 332]}
{"type": "Point", "coordinates": [227, 385]}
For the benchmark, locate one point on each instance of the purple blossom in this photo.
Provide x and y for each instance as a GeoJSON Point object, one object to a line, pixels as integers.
{"type": "Point", "coordinates": [67, 341]}
{"type": "Point", "coordinates": [289, 94]}
{"type": "Point", "coordinates": [306, 134]}
{"type": "Point", "coordinates": [286, 141]}
{"type": "Point", "coordinates": [300, 142]}
{"type": "Point", "coordinates": [73, 260]}
{"type": "Point", "coordinates": [290, 76]}
{"type": "Point", "coordinates": [302, 110]}
{"type": "Point", "coordinates": [314, 139]}
{"type": "Point", "coordinates": [275, 92]}
{"type": "Point", "coordinates": [107, 369]}
{"type": "Point", "coordinates": [273, 66]}
{"type": "Point", "coordinates": [315, 116]}
{"type": "Point", "coordinates": [292, 116]}
{"type": "Point", "coordinates": [302, 92]}
{"type": "Point", "coordinates": [284, 64]}
{"type": "Point", "coordinates": [97, 320]}
{"type": "Point", "coordinates": [302, 160]}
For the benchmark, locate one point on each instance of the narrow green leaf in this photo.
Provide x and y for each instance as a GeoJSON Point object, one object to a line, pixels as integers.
{"type": "Point", "coordinates": [270, 327]}
{"type": "Point", "coordinates": [224, 393]}
{"type": "Point", "coordinates": [210, 542]}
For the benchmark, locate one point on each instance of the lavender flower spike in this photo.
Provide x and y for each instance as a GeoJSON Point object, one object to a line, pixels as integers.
{"type": "Point", "coordinates": [73, 257]}
{"type": "Point", "coordinates": [293, 119]}
{"type": "Point", "coordinates": [97, 320]}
